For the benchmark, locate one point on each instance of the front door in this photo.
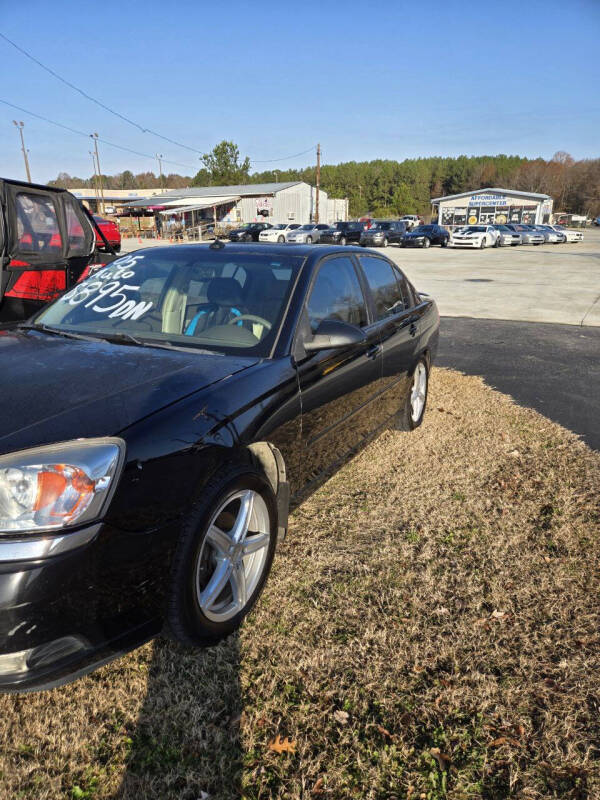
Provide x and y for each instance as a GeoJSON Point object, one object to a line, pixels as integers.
{"type": "Point", "coordinates": [338, 387]}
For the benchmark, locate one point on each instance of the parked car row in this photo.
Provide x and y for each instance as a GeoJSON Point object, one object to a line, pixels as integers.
{"type": "Point", "coordinates": [512, 234]}
{"type": "Point", "coordinates": [382, 233]}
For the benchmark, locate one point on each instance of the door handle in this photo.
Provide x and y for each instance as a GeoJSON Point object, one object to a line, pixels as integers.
{"type": "Point", "coordinates": [373, 351]}
{"type": "Point", "coordinates": [413, 329]}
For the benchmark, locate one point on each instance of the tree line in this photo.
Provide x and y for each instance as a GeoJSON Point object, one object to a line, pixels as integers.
{"type": "Point", "coordinates": [385, 187]}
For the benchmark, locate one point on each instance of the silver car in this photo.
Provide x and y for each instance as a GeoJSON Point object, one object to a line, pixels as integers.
{"type": "Point", "coordinates": [307, 234]}
{"type": "Point", "coordinates": [550, 235]}
{"type": "Point", "coordinates": [529, 235]}
{"type": "Point", "coordinates": [507, 237]}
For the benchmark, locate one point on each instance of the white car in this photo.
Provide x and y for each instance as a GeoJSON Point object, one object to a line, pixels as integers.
{"type": "Point", "coordinates": [277, 233]}
{"type": "Point", "coordinates": [475, 236]}
{"type": "Point", "coordinates": [307, 234]}
{"type": "Point", "coordinates": [572, 236]}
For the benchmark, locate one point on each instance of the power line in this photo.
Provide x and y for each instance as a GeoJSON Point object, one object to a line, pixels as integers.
{"type": "Point", "coordinates": [94, 100]}
{"type": "Point", "coordinates": [284, 158]}
{"type": "Point", "coordinates": [87, 135]}
{"type": "Point", "coordinates": [127, 119]}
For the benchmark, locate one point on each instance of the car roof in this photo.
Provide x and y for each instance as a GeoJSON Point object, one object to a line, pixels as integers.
{"type": "Point", "coordinates": [256, 248]}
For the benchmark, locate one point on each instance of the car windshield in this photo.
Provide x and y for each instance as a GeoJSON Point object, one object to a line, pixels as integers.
{"type": "Point", "coordinates": [307, 227]}
{"type": "Point", "coordinates": [502, 228]}
{"type": "Point", "coordinates": [474, 229]}
{"type": "Point", "coordinates": [186, 296]}
{"type": "Point", "coordinates": [280, 227]}
{"type": "Point", "coordinates": [423, 229]}
{"type": "Point", "coordinates": [341, 226]}
{"type": "Point", "coordinates": [381, 226]}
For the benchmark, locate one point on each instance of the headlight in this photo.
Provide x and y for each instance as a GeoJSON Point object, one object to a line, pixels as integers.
{"type": "Point", "coordinates": [58, 485]}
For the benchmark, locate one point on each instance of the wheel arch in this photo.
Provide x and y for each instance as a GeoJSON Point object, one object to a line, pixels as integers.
{"type": "Point", "coordinates": [272, 464]}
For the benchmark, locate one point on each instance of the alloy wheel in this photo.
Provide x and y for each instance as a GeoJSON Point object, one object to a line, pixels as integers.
{"type": "Point", "coordinates": [234, 555]}
{"type": "Point", "coordinates": [418, 392]}
{"type": "Point", "coordinates": [281, 239]}
{"type": "Point", "coordinates": [343, 241]}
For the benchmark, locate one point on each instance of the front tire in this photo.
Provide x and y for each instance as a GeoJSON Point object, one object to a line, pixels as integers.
{"type": "Point", "coordinates": [411, 416]}
{"type": "Point", "coordinates": [223, 556]}
{"type": "Point", "coordinates": [444, 242]}
{"type": "Point", "coordinates": [281, 239]}
{"type": "Point", "coordinates": [482, 244]}
{"type": "Point", "coordinates": [343, 241]}
{"type": "Point", "coordinates": [309, 240]}
{"type": "Point", "coordinates": [385, 242]}
{"type": "Point", "coordinates": [426, 242]}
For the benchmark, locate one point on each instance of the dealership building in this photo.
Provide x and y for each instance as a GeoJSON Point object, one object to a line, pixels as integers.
{"type": "Point", "coordinates": [491, 206]}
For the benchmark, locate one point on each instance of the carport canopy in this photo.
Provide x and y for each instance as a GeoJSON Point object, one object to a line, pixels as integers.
{"type": "Point", "coordinates": [195, 203]}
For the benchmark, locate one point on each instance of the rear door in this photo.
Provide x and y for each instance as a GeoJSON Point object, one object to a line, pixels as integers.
{"type": "Point", "coordinates": [398, 320]}
{"type": "Point", "coordinates": [339, 388]}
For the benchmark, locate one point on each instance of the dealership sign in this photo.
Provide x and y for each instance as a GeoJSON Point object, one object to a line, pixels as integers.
{"type": "Point", "coordinates": [488, 200]}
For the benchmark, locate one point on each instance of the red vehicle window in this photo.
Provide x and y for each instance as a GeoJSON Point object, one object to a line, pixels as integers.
{"type": "Point", "coordinates": [79, 241]}
{"type": "Point", "coordinates": [37, 224]}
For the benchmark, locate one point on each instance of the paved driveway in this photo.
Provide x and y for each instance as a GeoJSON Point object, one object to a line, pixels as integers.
{"type": "Point", "coordinates": [548, 283]}
{"type": "Point", "coordinates": [554, 369]}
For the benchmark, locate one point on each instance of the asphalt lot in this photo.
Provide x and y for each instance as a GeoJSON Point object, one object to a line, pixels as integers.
{"type": "Point", "coordinates": [548, 283]}
{"type": "Point", "coordinates": [554, 369]}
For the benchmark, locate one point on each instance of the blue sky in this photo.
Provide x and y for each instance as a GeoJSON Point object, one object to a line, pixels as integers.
{"type": "Point", "coordinates": [379, 80]}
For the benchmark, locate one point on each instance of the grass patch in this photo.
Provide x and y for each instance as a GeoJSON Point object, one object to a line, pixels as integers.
{"type": "Point", "coordinates": [430, 630]}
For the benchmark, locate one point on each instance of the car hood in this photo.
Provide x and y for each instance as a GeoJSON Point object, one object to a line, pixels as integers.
{"type": "Point", "coordinates": [55, 389]}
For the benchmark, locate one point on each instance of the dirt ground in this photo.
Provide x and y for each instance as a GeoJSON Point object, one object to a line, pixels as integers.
{"type": "Point", "coordinates": [431, 629]}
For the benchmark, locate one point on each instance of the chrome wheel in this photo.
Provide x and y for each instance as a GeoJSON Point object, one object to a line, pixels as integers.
{"type": "Point", "coordinates": [418, 392]}
{"type": "Point", "coordinates": [234, 555]}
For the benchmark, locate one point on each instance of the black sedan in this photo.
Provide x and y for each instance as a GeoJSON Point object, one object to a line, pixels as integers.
{"type": "Point", "coordinates": [249, 232]}
{"type": "Point", "coordinates": [343, 233]}
{"type": "Point", "coordinates": [161, 417]}
{"type": "Point", "coordinates": [426, 235]}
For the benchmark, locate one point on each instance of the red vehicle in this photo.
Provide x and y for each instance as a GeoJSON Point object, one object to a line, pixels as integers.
{"type": "Point", "coordinates": [111, 230]}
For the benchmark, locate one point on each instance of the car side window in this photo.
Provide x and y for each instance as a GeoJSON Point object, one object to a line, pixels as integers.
{"type": "Point", "coordinates": [384, 286]}
{"type": "Point", "coordinates": [337, 294]}
{"type": "Point", "coordinates": [408, 295]}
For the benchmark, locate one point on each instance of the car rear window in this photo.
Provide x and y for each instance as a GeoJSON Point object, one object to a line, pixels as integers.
{"type": "Point", "coordinates": [37, 224]}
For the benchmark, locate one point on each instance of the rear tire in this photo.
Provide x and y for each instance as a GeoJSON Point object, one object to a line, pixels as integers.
{"type": "Point", "coordinates": [385, 242]}
{"type": "Point", "coordinates": [201, 561]}
{"type": "Point", "coordinates": [426, 242]}
{"type": "Point", "coordinates": [411, 415]}
{"type": "Point", "coordinates": [343, 241]}
{"type": "Point", "coordinates": [281, 239]}
{"type": "Point", "coordinates": [444, 242]}
{"type": "Point", "coordinates": [482, 245]}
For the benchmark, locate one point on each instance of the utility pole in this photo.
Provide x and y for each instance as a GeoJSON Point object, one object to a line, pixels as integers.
{"type": "Point", "coordinates": [96, 191]}
{"type": "Point", "coordinates": [20, 126]}
{"type": "Point", "coordinates": [318, 181]}
{"type": "Point", "coordinates": [160, 172]}
{"type": "Point", "coordinates": [94, 136]}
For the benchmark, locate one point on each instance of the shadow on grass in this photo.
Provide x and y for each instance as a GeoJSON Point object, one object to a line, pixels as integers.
{"type": "Point", "coordinates": [186, 741]}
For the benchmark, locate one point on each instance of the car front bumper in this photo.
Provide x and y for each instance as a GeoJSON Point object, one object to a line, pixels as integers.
{"type": "Point", "coordinates": [72, 602]}
{"type": "Point", "coordinates": [465, 242]}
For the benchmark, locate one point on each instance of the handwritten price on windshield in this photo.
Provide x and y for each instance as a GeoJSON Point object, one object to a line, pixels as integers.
{"type": "Point", "coordinates": [107, 285]}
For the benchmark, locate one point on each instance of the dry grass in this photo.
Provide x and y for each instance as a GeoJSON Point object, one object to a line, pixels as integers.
{"type": "Point", "coordinates": [430, 629]}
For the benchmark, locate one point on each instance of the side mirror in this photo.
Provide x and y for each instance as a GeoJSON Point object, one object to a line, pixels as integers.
{"type": "Point", "coordinates": [333, 333]}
